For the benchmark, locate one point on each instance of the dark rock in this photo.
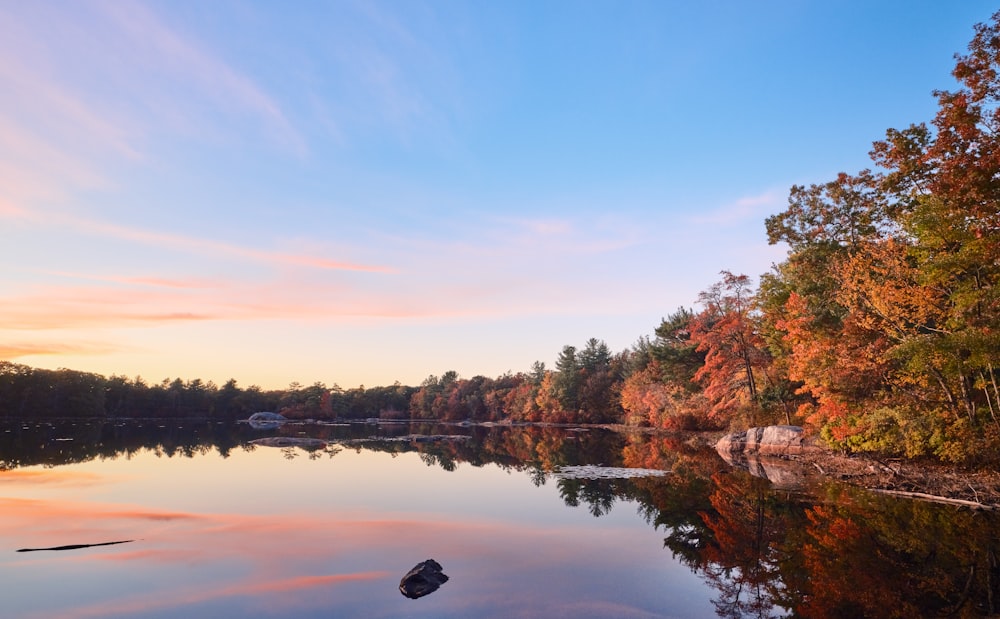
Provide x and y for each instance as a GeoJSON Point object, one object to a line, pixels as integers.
{"type": "Point", "coordinates": [423, 579]}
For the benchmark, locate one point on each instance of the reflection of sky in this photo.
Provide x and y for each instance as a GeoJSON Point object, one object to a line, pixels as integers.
{"type": "Point", "coordinates": [259, 535]}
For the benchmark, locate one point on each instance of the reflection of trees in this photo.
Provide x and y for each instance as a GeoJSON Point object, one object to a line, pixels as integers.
{"type": "Point", "coordinates": [749, 526]}
{"type": "Point", "coordinates": [845, 553]}
{"type": "Point", "coordinates": [440, 459]}
{"type": "Point", "coordinates": [598, 494]}
{"type": "Point", "coordinates": [882, 557]}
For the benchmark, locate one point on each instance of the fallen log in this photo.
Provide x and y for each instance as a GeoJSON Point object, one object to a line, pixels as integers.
{"type": "Point", "coordinates": [922, 496]}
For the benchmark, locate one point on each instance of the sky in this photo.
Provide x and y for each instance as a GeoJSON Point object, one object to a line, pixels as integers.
{"type": "Point", "coordinates": [359, 193]}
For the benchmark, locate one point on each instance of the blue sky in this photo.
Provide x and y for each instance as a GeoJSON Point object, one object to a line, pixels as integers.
{"type": "Point", "coordinates": [366, 192]}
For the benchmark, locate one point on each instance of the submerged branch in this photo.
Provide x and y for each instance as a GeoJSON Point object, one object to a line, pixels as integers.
{"type": "Point", "coordinates": [76, 546]}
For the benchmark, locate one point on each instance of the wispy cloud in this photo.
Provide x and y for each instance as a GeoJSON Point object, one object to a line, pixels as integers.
{"type": "Point", "coordinates": [135, 303]}
{"type": "Point", "coordinates": [503, 268]}
{"type": "Point", "coordinates": [385, 74]}
{"type": "Point", "coordinates": [749, 208]}
{"type": "Point", "coordinates": [165, 282]}
{"type": "Point", "coordinates": [102, 80]}
{"type": "Point", "coordinates": [16, 350]}
{"type": "Point", "coordinates": [179, 242]}
{"type": "Point", "coordinates": [209, 246]}
{"type": "Point", "coordinates": [80, 307]}
{"type": "Point", "coordinates": [62, 118]}
{"type": "Point", "coordinates": [189, 61]}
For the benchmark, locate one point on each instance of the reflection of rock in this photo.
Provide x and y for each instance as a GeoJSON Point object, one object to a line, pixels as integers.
{"type": "Point", "coordinates": [428, 438]}
{"type": "Point", "coordinates": [750, 450]}
{"type": "Point", "coordinates": [766, 441]}
{"type": "Point", "coordinates": [423, 579]}
{"type": "Point", "coordinates": [781, 473]}
{"type": "Point", "coordinates": [290, 441]}
{"type": "Point", "coordinates": [266, 421]}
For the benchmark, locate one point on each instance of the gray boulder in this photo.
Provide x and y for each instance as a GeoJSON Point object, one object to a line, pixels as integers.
{"type": "Point", "coordinates": [423, 579]}
{"type": "Point", "coordinates": [763, 441]}
{"type": "Point", "coordinates": [266, 420]}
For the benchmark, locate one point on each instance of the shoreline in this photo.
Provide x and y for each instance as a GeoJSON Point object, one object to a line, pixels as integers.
{"type": "Point", "coordinates": [918, 479]}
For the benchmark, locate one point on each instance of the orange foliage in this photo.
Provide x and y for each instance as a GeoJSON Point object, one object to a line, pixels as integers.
{"type": "Point", "coordinates": [840, 368]}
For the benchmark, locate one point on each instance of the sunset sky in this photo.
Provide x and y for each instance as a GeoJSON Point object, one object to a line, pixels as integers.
{"type": "Point", "coordinates": [366, 192]}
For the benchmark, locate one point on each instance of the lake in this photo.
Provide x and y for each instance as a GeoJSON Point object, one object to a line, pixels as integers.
{"type": "Point", "coordinates": [201, 519]}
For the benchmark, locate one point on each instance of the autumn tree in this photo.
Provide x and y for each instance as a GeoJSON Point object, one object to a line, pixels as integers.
{"type": "Point", "coordinates": [735, 358]}
{"type": "Point", "coordinates": [660, 389]}
{"type": "Point", "coordinates": [886, 310]}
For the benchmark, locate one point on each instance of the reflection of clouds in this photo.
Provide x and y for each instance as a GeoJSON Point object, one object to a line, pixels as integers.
{"type": "Point", "coordinates": [176, 599]}
{"type": "Point", "coordinates": [305, 560]}
{"type": "Point", "coordinates": [49, 476]}
{"type": "Point", "coordinates": [40, 510]}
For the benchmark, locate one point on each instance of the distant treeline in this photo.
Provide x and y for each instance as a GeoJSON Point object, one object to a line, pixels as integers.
{"type": "Point", "coordinates": [586, 383]}
{"type": "Point", "coordinates": [880, 331]}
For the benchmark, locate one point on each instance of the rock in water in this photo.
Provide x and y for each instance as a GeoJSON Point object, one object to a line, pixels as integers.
{"type": "Point", "coordinates": [266, 420]}
{"type": "Point", "coordinates": [267, 416]}
{"type": "Point", "coordinates": [423, 579]}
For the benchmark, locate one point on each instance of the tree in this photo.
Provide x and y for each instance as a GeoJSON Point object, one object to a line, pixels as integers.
{"type": "Point", "coordinates": [726, 332]}
{"type": "Point", "coordinates": [566, 379]}
{"type": "Point", "coordinates": [888, 305]}
{"type": "Point", "coordinates": [679, 357]}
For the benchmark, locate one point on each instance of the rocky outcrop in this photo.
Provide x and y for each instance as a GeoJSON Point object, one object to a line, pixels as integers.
{"type": "Point", "coordinates": [424, 578]}
{"type": "Point", "coordinates": [763, 441]}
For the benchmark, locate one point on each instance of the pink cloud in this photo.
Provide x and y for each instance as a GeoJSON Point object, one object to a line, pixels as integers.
{"type": "Point", "coordinates": [16, 350]}
{"type": "Point", "coordinates": [47, 477]}
{"type": "Point", "coordinates": [183, 243]}
{"type": "Point", "coordinates": [32, 155]}
{"type": "Point", "coordinates": [71, 307]}
{"type": "Point", "coordinates": [164, 282]}
{"type": "Point", "coordinates": [61, 308]}
{"type": "Point", "coordinates": [9, 210]}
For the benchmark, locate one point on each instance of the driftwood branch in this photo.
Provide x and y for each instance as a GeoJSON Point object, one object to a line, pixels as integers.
{"type": "Point", "coordinates": [937, 499]}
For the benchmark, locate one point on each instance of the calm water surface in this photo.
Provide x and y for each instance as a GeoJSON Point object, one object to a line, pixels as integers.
{"type": "Point", "coordinates": [213, 525]}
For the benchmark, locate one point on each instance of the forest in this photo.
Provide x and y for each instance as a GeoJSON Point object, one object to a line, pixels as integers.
{"type": "Point", "coordinates": [878, 332]}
